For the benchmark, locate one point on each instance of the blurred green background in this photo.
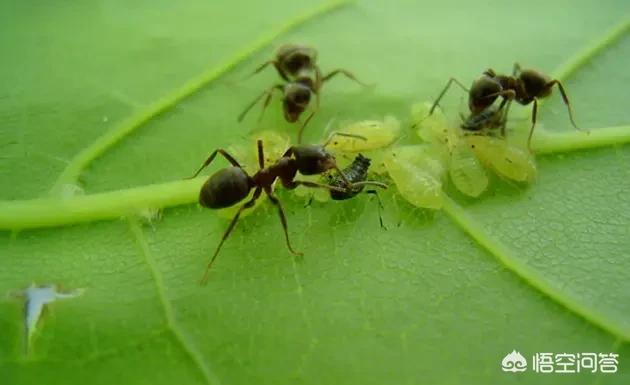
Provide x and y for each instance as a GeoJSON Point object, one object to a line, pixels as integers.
{"type": "Point", "coordinates": [422, 302]}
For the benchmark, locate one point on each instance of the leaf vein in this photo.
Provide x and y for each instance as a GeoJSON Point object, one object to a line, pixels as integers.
{"type": "Point", "coordinates": [171, 323]}
{"type": "Point", "coordinates": [506, 256]}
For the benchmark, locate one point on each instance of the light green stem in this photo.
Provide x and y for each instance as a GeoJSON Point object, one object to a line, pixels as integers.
{"type": "Point", "coordinates": [545, 142]}
{"type": "Point", "coordinates": [71, 173]}
{"type": "Point", "coordinates": [586, 55]}
{"type": "Point", "coordinates": [493, 245]}
{"type": "Point", "coordinates": [46, 212]}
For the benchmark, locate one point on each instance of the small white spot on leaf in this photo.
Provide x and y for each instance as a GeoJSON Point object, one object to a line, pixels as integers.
{"type": "Point", "coordinates": [35, 300]}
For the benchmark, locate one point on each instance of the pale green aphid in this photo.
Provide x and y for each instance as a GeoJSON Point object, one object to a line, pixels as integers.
{"type": "Point", "coordinates": [275, 144]}
{"type": "Point", "coordinates": [504, 158]}
{"type": "Point", "coordinates": [465, 169]}
{"type": "Point", "coordinates": [417, 172]}
{"type": "Point", "coordinates": [377, 134]}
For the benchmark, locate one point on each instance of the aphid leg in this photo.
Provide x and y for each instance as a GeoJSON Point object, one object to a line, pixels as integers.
{"type": "Point", "coordinates": [211, 158]}
{"type": "Point", "coordinates": [227, 232]}
{"type": "Point", "coordinates": [333, 134]}
{"type": "Point", "coordinates": [348, 74]}
{"type": "Point", "coordinates": [370, 183]}
{"type": "Point", "coordinates": [283, 219]}
{"type": "Point", "coordinates": [531, 130]}
{"type": "Point", "coordinates": [310, 201]}
{"type": "Point", "coordinates": [565, 98]}
{"type": "Point", "coordinates": [268, 93]}
{"type": "Point", "coordinates": [448, 85]}
{"type": "Point", "coordinates": [379, 207]}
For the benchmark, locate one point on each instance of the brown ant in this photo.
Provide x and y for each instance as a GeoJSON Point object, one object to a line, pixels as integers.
{"type": "Point", "coordinates": [524, 86]}
{"type": "Point", "coordinates": [231, 185]}
{"type": "Point", "coordinates": [297, 66]}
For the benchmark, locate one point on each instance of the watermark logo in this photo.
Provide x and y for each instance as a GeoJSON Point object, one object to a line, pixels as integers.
{"type": "Point", "coordinates": [514, 362]}
{"type": "Point", "coordinates": [562, 363]}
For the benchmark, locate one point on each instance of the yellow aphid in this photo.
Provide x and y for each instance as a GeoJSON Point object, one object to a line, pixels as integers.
{"type": "Point", "coordinates": [274, 145]}
{"type": "Point", "coordinates": [432, 128]}
{"type": "Point", "coordinates": [377, 134]}
{"type": "Point", "coordinates": [466, 171]}
{"type": "Point", "coordinates": [417, 172]}
{"type": "Point", "coordinates": [504, 158]}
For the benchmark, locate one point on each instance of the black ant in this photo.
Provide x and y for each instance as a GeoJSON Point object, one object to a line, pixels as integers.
{"type": "Point", "coordinates": [231, 185]}
{"type": "Point", "coordinates": [297, 66]}
{"type": "Point", "coordinates": [524, 86]}
{"type": "Point", "coordinates": [356, 172]}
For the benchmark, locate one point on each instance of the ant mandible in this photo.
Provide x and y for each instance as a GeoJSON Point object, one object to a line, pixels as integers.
{"type": "Point", "coordinates": [231, 185]}
{"type": "Point", "coordinates": [524, 86]}
{"type": "Point", "coordinates": [296, 65]}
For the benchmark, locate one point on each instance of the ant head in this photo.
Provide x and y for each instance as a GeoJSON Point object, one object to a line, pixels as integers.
{"type": "Point", "coordinates": [297, 97]}
{"type": "Point", "coordinates": [292, 58]}
{"type": "Point", "coordinates": [225, 188]}
{"type": "Point", "coordinates": [535, 84]}
{"type": "Point", "coordinates": [478, 98]}
{"type": "Point", "coordinates": [313, 159]}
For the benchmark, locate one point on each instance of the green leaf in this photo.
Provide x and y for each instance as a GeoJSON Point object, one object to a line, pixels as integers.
{"type": "Point", "coordinates": [120, 100]}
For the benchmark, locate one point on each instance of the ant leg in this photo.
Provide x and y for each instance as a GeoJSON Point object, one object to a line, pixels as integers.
{"type": "Point", "coordinates": [227, 232]}
{"type": "Point", "coordinates": [294, 183]}
{"type": "Point", "coordinates": [505, 103]}
{"type": "Point", "coordinates": [211, 158]}
{"type": "Point", "coordinates": [380, 206]}
{"type": "Point", "coordinates": [531, 131]}
{"type": "Point", "coordinates": [505, 94]}
{"type": "Point", "coordinates": [441, 95]}
{"type": "Point", "coordinates": [564, 97]}
{"type": "Point", "coordinates": [261, 154]}
{"type": "Point", "coordinates": [308, 119]}
{"type": "Point", "coordinates": [263, 66]}
{"type": "Point", "coordinates": [283, 219]}
{"type": "Point", "coordinates": [448, 85]}
{"type": "Point", "coordinates": [348, 74]}
{"type": "Point", "coordinates": [268, 93]}
{"type": "Point", "coordinates": [516, 69]}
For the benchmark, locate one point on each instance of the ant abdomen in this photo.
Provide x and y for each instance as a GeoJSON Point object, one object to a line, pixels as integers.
{"type": "Point", "coordinates": [225, 188]}
{"type": "Point", "coordinates": [292, 58]}
{"type": "Point", "coordinates": [535, 83]}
